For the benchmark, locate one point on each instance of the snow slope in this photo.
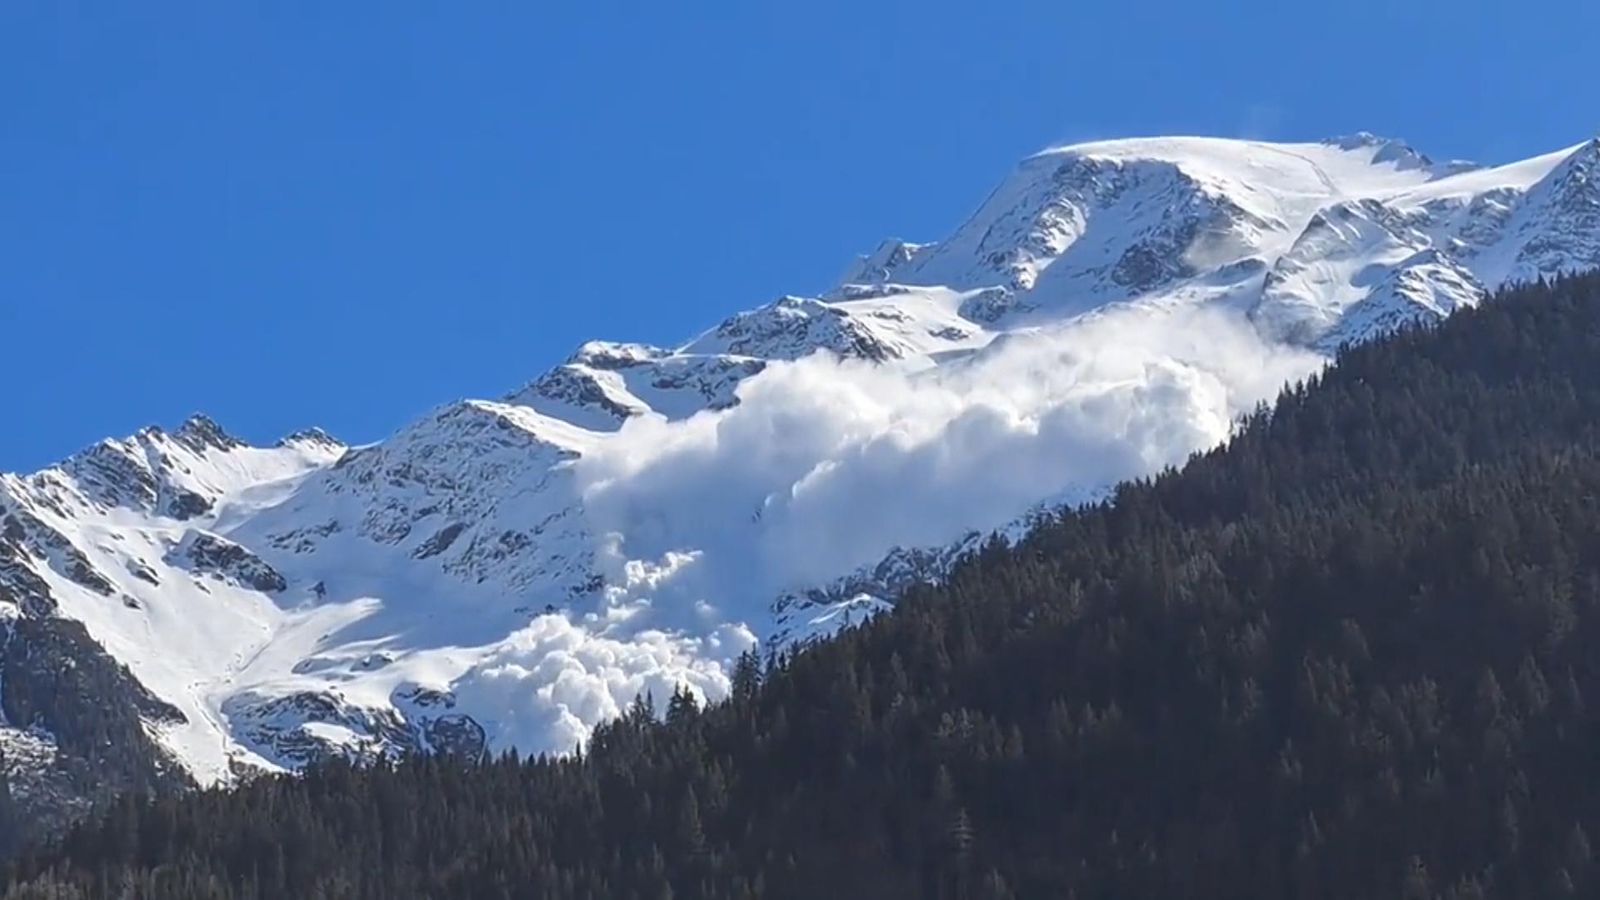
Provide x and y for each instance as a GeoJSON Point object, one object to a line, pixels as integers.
{"type": "Point", "coordinates": [513, 572]}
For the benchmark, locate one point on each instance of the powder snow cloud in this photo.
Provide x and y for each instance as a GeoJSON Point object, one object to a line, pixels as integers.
{"type": "Point", "coordinates": [827, 464]}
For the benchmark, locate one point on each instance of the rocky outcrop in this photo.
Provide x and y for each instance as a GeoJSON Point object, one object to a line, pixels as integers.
{"type": "Point", "coordinates": [793, 327]}
{"type": "Point", "coordinates": [300, 729]}
{"type": "Point", "coordinates": [33, 537]}
{"type": "Point", "coordinates": [221, 558]}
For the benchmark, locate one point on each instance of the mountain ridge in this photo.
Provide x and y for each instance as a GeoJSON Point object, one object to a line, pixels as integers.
{"type": "Point", "coordinates": [1348, 654]}
{"type": "Point", "coordinates": [512, 572]}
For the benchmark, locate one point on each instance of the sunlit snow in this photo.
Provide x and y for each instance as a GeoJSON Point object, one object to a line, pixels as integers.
{"type": "Point", "coordinates": [625, 523]}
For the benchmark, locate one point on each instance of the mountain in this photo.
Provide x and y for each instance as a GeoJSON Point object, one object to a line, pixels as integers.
{"type": "Point", "coordinates": [1348, 655]}
{"type": "Point", "coordinates": [512, 572]}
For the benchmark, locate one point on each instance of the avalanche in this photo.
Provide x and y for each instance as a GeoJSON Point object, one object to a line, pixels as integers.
{"type": "Point", "coordinates": [513, 572]}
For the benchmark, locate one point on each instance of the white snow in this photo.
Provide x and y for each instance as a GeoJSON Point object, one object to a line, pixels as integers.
{"type": "Point", "coordinates": [638, 517]}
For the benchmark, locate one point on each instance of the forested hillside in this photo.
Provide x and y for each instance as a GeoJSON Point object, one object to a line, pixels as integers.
{"type": "Point", "coordinates": [1350, 655]}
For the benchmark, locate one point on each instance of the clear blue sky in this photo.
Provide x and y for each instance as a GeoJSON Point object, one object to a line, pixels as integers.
{"type": "Point", "coordinates": [288, 214]}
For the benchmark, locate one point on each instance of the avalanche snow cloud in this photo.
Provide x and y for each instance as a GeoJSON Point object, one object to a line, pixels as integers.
{"type": "Point", "coordinates": [513, 572]}
{"type": "Point", "coordinates": [827, 464]}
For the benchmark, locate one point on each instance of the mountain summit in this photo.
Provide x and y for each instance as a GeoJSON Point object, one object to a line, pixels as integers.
{"type": "Point", "coordinates": [512, 572]}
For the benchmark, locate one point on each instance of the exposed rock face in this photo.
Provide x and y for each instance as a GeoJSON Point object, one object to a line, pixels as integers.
{"type": "Point", "coordinates": [439, 542]}
{"type": "Point", "coordinates": [184, 504]}
{"type": "Point", "coordinates": [438, 727]}
{"type": "Point", "coordinates": [791, 328]}
{"type": "Point", "coordinates": [1560, 231]}
{"type": "Point", "coordinates": [117, 473]}
{"type": "Point", "coordinates": [223, 559]}
{"type": "Point", "coordinates": [33, 537]}
{"type": "Point", "coordinates": [22, 591]}
{"type": "Point", "coordinates": [94, 555]}
{"type": "Point", "coordinates": [574, 386]}
{"type": "Point", "coordinates": [1360, 268]}
{"type": "Point", "coordinates": [307, 727]}
{"type": "Point", "coordinates": [74, 730]}
{"type": "Point", "coordinates": [200, 434]}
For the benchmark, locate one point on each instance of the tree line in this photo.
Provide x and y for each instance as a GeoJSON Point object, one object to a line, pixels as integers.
{"type": "Point", "coordinates": [1351, 654]}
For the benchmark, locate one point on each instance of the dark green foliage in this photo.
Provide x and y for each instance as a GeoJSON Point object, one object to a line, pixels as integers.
{"type": "Point", "coordinates": [1352, 655]}
{"type": "Point", "coordinates": [58, 678]}
{"type": "Point", "coordinates": [54, 676]}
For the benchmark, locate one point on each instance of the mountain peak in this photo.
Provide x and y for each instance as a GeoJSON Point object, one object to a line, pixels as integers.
{"type": "Point", "coordinates": [1365, 139]}
{"type": "Point", "coordinates": [628, 520]}
{"type": "Point", "coordinates": [200, 432]}
{"type": "Point", "coordinates": [1390, 151]}
{"type": "Point", "coordinates": [880, 265]}
{"type": "Point", "coordinates": [1586, 153]}
{"type": "Point", "coordinates": [614, 354]}
{"type": "Point", "coordinates": [312, 437]}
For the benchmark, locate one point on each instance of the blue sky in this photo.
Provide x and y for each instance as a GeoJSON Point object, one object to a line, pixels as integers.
{"type": "Point", "coordinates": [288, 214]}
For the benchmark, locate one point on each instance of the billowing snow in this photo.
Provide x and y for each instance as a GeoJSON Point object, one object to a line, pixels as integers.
{"type": "Point", "coordinates": [631, 521]}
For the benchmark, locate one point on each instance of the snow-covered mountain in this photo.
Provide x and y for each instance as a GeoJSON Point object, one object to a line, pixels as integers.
{"type": "Point", "coordinates": [512, 572]}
